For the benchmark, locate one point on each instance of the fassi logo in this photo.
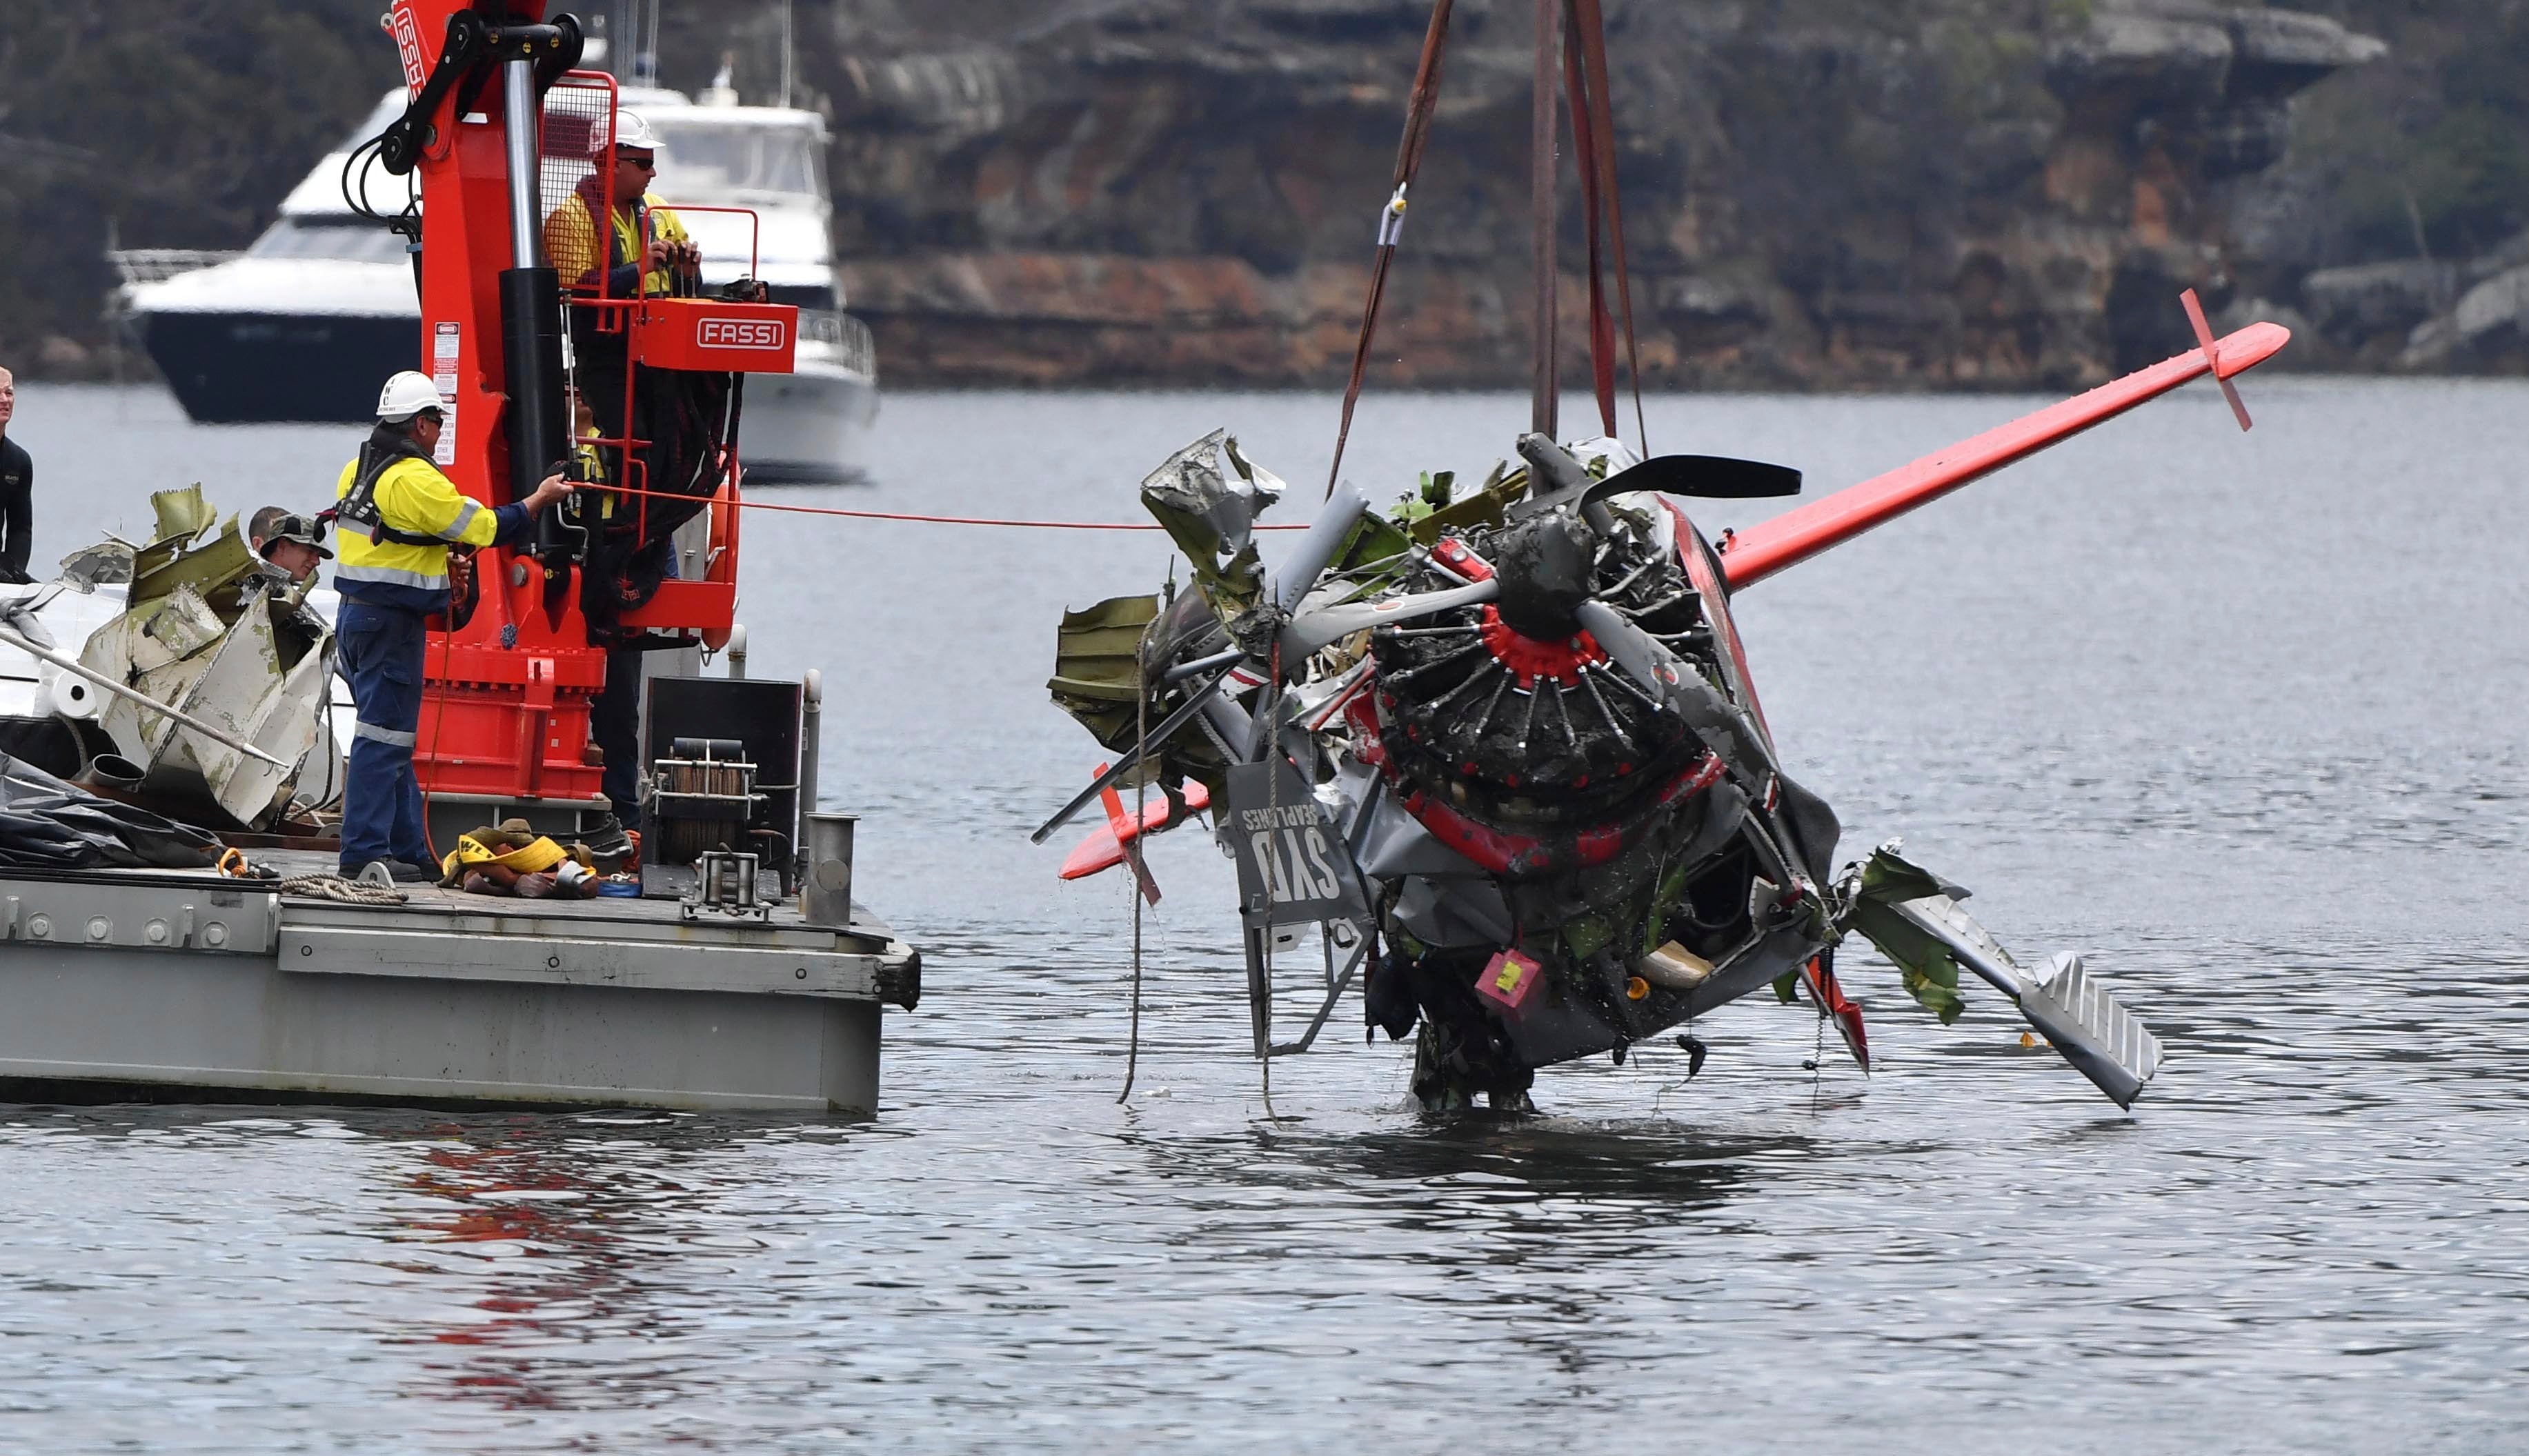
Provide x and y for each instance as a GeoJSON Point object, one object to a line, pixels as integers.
{"type": "Point", "coordinates": [408, 47]}
{"type": "Point", "coordinates": [738, 333]}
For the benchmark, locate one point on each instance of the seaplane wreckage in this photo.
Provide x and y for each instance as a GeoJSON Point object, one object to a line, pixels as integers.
{"type": "Point", "coordinates": [1501, 745]}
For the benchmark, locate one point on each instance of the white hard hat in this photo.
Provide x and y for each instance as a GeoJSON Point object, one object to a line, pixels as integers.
{"type": "Point", "coordinates": [407, 395]}
{"type": "Point", "coordinates": [630, 131]}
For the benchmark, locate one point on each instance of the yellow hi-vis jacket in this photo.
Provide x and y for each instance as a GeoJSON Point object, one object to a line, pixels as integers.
{"type": "Point", "coordinates": [570, 244]}
{"type": "Point", "coordinates": [413, 497]}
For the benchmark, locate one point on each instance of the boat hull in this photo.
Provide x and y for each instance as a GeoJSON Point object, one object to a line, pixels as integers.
{"type": "Point", "coordinates": [117, 986]}
{"type": "Point", "coordinates": [258, 368]}
{"type": "Point", "coordinates": [810, 427]}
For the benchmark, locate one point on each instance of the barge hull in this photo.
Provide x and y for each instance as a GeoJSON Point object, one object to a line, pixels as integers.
{"type": "Point", "coordinates": [111, 989]}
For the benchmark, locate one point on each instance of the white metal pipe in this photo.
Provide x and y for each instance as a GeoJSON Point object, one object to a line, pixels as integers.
{"type": "Point", "coordinates": [518, 102]}
{"type": "Point", "coordinates": [78, 668]}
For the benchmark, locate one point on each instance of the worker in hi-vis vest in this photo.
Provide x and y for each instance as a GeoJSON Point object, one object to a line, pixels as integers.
{"type": "Point", "coordinates": [640, 249]}
{"type": "Point", "coordinates": [396, 518]}
{"type": "Point", "coordinates": [645, 243]}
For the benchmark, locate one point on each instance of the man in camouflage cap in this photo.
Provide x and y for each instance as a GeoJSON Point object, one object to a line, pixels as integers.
{"type": "Point", "coordinates": [291, 543]}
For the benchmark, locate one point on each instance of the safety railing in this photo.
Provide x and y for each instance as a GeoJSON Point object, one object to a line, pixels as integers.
{"type": "Point", "coordinates": [577, 158]}
{"type": "Point", "coordinates": [137, 266]}
{"type": "Point", "coordinates": [855, 349]}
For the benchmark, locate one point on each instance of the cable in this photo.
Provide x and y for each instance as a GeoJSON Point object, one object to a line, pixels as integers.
{"type": "Point", "coordinates": [1271, 703]}
{"type": "Point", "coordinates": [945, 520]}
{"type": "Point", "coordinates": [438, 720]}
{"type": "Point", "coordinates": [1141, 798]}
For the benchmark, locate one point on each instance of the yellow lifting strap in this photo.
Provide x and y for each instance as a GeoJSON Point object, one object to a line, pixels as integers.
{"type": "Point", "coordinates": [534, 857]}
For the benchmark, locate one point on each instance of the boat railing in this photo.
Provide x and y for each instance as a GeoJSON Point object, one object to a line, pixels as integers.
{"type": "Point", "coordinates": [144, 265]}
{"type": "Point", "coordinates": [847, 336]}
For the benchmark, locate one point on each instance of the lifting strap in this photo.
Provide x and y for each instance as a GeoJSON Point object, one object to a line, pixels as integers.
{"type": "Point", "coordinates": [1585, 80]}
{"type": "Point", "coordinates": [1391, 215]}
{"type": "Point", "coordinates": [1602, 337]}
{"type": "Point", "coordinates": [1598, 156]}
{"type": "Point", "coordinates": [1544, 388]}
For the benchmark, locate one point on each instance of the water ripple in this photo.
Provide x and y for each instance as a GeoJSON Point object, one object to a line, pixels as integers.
{"type": "Point", "coordinates": [2276, 807]}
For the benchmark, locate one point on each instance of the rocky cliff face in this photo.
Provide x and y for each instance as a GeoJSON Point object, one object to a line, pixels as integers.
{"type": "Point", "coordinates": [180, 122]}
{"type": "Point", "coordinates": [1818, 193]}
{"type": "Point", "coordinates": [1956, 193]}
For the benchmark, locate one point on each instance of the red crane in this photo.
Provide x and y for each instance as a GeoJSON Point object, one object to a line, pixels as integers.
{"type": "Point", "coordinates": [501, 130]}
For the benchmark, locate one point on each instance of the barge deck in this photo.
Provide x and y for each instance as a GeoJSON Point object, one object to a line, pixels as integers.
{"type": "Point", "coordinates": [120, 984]}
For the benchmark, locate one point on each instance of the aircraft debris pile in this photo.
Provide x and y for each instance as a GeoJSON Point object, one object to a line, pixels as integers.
{"type": "Point", "coordinates": [230, 646]}
{"type": "Point", "coordinates": [1502, 747]}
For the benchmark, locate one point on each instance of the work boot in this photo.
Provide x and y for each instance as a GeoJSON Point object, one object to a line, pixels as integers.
{"type": "Point", "coordinates": [390, 873]}
{"type": "Point", "coordinates": [605, 838]}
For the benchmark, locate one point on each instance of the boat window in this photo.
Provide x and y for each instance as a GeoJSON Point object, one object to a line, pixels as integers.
{"type": "Point", "coordinates": [804, 295]}
{"type": "Point", "coordinates": [723, 163]}
{"type": "Point", "coordinates": [346, 240]}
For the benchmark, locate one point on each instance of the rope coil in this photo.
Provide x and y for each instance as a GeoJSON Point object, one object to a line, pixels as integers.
{"type": "Point", "coordinates": [343, 888]}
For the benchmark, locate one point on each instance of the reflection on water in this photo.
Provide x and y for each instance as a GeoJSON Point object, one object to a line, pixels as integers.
{"type": "Point", "coordinates": [2144, 712]}
{"type": "Point", "coordinates": [547, 1227]}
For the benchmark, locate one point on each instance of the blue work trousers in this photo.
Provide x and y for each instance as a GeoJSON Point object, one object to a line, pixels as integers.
{"type": "Point", "coordinates": [381, 650]}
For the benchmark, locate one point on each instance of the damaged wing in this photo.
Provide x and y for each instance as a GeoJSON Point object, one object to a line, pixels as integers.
{"type": "Point", "coordinates": [1916, 922]}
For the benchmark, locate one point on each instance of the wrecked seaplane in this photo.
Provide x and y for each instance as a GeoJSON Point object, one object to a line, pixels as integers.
{"type": "Point", "coordinates": [1501, 746]}
{"type": "Point", "coordinates": [183, 673]}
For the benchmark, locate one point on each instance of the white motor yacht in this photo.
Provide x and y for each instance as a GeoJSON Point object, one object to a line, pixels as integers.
{"type": "Point", "coordinates": [300, 326]}
{"type": "Point", "coordinates": [304, 323]}
{"type": "Point", "coordinates": [810, 424]}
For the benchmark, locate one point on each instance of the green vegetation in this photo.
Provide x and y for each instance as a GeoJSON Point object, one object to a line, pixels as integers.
{"type": "Point", "coordinates": [2434, 141]}
{"type": "Point", "coordinates": [184, 120]}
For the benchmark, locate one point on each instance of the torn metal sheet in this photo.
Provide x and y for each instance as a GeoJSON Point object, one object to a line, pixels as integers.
{"type": "Point", "coordinates": [1209, 496]}
{"type": "Point", "coordinates": [208, 630]}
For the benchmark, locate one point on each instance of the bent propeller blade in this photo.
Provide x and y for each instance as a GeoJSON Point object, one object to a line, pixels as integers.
{"type": "Point", "coordinates": [1710, 478]}
{"type": "Point", "coordinates": [1311, 630]}
{"type": "Point", "coordinates": [1325, 536]}
{"type": "Point", "coordinates": [1722, 725]}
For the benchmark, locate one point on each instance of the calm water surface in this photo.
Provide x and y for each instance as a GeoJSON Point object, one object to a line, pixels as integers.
{"type": "Point", "coordinates": [2239, 717]}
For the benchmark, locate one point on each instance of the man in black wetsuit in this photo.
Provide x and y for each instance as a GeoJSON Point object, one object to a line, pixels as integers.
{"type": "Point", "coordinates": [17, 492]}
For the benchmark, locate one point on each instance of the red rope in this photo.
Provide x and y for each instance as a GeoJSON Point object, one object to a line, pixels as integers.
{"type": "Point", "coordinates": [945, 520]}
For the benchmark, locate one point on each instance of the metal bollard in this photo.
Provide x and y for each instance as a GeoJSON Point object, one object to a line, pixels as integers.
{"type": "Point", "coordinates": [826, 894]}
{"type": "Point", "coordinates": [812, 736]}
